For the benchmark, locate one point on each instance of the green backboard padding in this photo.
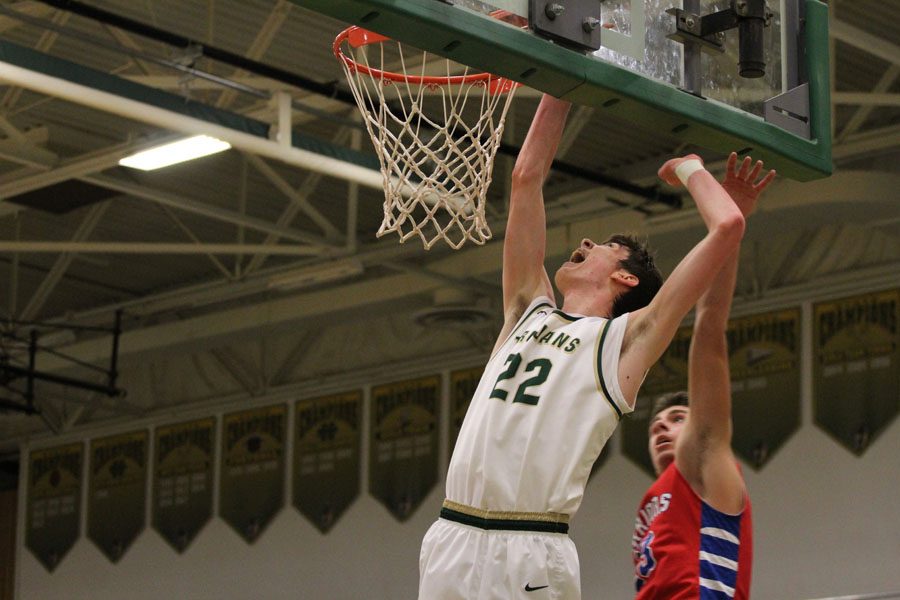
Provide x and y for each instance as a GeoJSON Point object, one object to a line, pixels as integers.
{"type": "Point", "coordinates": [471, 38]}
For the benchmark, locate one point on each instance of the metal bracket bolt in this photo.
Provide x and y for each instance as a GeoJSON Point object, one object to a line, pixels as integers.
{"type": "Point", "coordinates": [691, 22]}
{"type": "Point", "coordinates": [589, 24]}
{"type": "Point", "coordinates": [554, 10]}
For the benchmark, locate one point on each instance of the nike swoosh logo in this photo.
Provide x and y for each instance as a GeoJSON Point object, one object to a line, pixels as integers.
{"type": "Point", "coordinates": [528, 587]}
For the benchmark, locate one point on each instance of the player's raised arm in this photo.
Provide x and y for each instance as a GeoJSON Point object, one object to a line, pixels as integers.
{"type": "Point", "coordinates": [524, 276]}
{"type": "Point", "coordinates": [651, 329]}
{"type": "Point", "coordinates": [703, 453]}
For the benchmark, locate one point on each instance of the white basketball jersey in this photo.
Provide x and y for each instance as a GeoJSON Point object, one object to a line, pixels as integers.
{"type": "Point", "coordinates": [547, 403]}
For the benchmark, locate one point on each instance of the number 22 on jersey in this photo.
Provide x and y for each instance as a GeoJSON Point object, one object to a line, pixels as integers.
{"type": "Point", "coordinates": [541, 368]}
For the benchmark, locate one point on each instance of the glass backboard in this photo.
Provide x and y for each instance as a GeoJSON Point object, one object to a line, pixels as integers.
{"type": "Point", "coordinates": [640, 71]}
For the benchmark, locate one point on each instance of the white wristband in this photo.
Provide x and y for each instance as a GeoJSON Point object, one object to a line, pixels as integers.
{"type": "Point", "coordinates": [688, 168]}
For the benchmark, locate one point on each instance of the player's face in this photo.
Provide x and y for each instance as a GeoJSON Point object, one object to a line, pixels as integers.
{"type": "Point", "coordinates": [664, 431]}
{"type": "Point", "coordinates": [592, 262]}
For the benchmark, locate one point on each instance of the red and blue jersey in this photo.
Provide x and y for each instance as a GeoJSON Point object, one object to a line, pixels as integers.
{"type": "Point", "coordinates": [685, 549]}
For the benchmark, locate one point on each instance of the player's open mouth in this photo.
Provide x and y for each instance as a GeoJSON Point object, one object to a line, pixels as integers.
{"type": "Point", "coordinates": [577, 256]}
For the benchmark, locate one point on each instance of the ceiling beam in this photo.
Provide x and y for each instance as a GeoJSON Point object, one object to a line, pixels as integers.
{"type": "Point", "coordinates": [59, 78]}
{"type": "Point", "coordinates": [45, 42]}
{"type": "Point", "coordinates": [307, 107]}
{"type": "Point", "coordinates": [298, 200]}
{"type": "Point", "coordinates": [26, 154]}
{"type": "Point", "coordinates": [190, 234]}
{"type": "Point", "coordinates": [294, 356]}
{"type": "Point", "coordinates": [201, 208]}
{"type": "Point", "coordinates": [71, 416]}
{"type": "Point", "coordinates": [866, 98]}
{"type": "Point", "coordinates": [310, 182]}
{"type": "Point", "coordinates": [125, 39]}
{"type": "Point", "coordinates": [239, 371]}
{"type": "Point", "coordinates": [14, 271]}
{"type": "Point", "coordinates": [26, 180]}
{"type": "Point", "coordinates": [21, 147]}
{"type": "Point", "coordinates": [27, 7]}
{"type": "Point", "coordinates": [860, 116]}
{"type": "Point", "coordinates": [84, 231]}
{"type": "Point", "coordinates": [178, 82]}
{"type": "Point", "coordinates": [33, 135]}
{"type": "Point", "coordinates": [40, 247]}
{"type": "Point", "coordinates": [868, 142]}
{"type": "Point", "coordinates": [778, 273]}
{"type": "Point", "coordinates": [260, 44]}
{"type": "Point", "coordinates": [863, 40]}
{"type": "Point", "coordinates": [476, 286]}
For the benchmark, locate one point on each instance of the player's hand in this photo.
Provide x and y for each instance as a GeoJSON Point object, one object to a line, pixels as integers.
{"type": "Point", "coordinates": [667, 171]}
{"type": "Point", "coordinates": [741, 183]}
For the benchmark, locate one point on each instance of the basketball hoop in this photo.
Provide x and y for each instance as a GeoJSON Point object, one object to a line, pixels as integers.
{"type": "Point", "coordinates": [436, 128]}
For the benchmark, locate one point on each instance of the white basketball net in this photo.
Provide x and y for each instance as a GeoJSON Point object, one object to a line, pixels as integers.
{"type": "Point", "coordinates": [436, 139]}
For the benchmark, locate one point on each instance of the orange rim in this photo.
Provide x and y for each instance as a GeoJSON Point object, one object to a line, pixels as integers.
{"type": "Point", "coordinates": [357, 36]}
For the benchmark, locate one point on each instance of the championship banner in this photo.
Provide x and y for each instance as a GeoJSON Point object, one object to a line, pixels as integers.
{"type": "Point", "coordinates": [462, 387]}
{"type": "Point", "coordinates": [764, 357]}
{"type": "Point", "coordinates": [327, 456]}
{"type": "Point", "coordinates": [669, 374]}
{"type": "Point", "coordinates": [183, 480]}
{"type": "Point", "coordinates": [251, 489]}
{"type": "Point", "coordinates": [856, 372]}
{"type": "Point", "coordinates": [117, 498]}
{"type": "Point", "coordinates": [54, 501]}
{"type": "Point", "coordinates": [403, 451]}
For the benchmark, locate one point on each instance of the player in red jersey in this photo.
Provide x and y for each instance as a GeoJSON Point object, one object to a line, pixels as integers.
{"type": "Point", "coordinates": [692, 535]}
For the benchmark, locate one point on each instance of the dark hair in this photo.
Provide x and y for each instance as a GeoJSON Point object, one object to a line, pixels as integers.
{"type": "Point", "coordinates": [668, 401]}
{"type": "Point", "coordinates": [640, 264]}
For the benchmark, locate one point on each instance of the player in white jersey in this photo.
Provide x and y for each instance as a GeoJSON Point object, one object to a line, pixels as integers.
{"type": "Point", "coordinates": [557, 382]}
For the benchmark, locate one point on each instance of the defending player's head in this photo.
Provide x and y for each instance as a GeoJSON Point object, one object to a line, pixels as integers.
{"type": "Point", "coordinates": [639, 263]}
{"type": "Point", "coordinates": [667, 418]}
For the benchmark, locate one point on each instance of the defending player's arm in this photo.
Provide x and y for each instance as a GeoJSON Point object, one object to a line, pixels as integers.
{"type": "Point", "coordinates": [524, 276]}
{"type": "Point", "coordinates": [651, 329]}
{"type": "Point", "coordinates": [703, 453]}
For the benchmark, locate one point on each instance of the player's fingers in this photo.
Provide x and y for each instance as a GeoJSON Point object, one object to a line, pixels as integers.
{"type": "Point", "coordinates": [745, 167]}
{"type": "Point", "coordinates": [667, 174]}
{"type": "Point", "coordinates": [670, 179]}
{"type": "Point", "coordinates": [732, 161]}
{"type": "Point", "coordinates": [765, 181]}
{"type": "Point", "coordinates": [756, 170]}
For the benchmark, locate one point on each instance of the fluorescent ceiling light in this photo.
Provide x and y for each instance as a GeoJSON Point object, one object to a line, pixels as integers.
{"type": "Point", "coordinates": [174, 153]}
{"type": "Point", "coordinates": [316, 274]}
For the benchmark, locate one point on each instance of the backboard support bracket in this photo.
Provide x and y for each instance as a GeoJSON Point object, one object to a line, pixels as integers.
{"type": "Point", "coordinates": [707, 32]}
{"type": "Point", "coordinates": [790, 110]}
{"type": "Point", "coordinates": [571, 23]}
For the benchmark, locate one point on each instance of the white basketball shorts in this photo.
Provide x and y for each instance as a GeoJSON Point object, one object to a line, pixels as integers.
{"type": "Point", "coordinates": [464, 562]}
